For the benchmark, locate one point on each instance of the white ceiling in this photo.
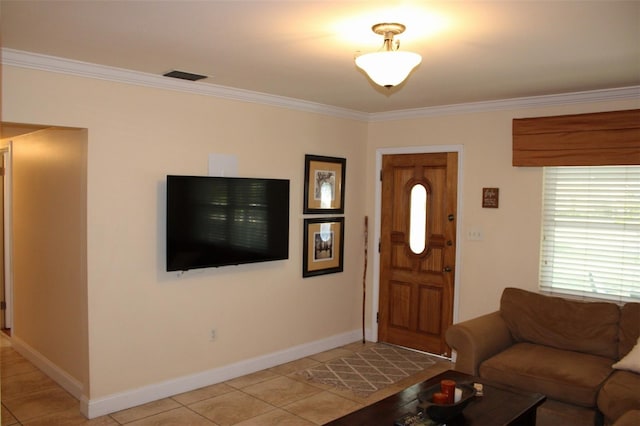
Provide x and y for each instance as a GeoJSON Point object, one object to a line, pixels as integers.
{"type": "Point", "coordinates": [472, 50]}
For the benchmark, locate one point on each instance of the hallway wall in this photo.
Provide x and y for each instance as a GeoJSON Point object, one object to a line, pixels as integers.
{"type": "Point", "coordinates": [49, 202]}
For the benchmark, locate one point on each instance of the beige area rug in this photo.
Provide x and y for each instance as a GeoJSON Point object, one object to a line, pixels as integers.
{"type": "Point", "coordinates": [370, 370]}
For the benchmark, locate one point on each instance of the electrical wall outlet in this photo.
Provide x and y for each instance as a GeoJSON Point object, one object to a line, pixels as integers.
{"type": "Point", "coordinates": [212, 334]}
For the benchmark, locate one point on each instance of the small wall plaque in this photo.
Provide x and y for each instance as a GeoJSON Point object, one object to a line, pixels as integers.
{"type": "Point", "coordinates": [490, 198]}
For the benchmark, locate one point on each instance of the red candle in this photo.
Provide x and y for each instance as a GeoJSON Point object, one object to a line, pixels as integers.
{"type": "Point", "coordinates": [440, 398]}
{"type": "Point", "coordinates": [448, 387]}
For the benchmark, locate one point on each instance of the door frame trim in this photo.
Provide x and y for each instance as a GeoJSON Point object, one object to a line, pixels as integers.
{"type": "Point", "coordinates": [429, 149]}
{"type": "Point", "coordinates": [6, 153]}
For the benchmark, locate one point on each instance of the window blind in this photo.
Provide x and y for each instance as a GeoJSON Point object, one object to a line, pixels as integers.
{"type": "Point", "coordinates": [591, 232]}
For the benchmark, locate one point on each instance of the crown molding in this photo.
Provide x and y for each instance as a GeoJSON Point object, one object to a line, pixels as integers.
{"type": "Point", "coordinates": [621, 93]}
{"type": "Point", "coordinates": [30, 60]}
{"type": "Point", "coordinates": [41, 62]}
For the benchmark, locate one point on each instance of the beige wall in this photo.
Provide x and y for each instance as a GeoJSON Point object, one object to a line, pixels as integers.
{"type": "Point", "coordinates": [147, 326]}
{"type": "Point", "coordinates": [508, 254]}
{"type": "Point", "coordinates": [49, 204]}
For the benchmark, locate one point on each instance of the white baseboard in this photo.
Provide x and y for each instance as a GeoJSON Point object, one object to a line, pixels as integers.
{"type": "Point", "coordinates": [69, 383]}
{"type": "Point", "coordinates": [92, 408]}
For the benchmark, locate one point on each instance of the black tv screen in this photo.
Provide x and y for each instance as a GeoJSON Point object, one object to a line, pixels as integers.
{"type": "Point", "coordinates": [218, 221]}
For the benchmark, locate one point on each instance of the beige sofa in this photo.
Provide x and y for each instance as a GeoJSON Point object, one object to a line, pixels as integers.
{"type": "Point", "coordinates": [562, 348]}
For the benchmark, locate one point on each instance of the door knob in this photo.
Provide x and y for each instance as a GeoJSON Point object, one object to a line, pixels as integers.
{"type": "Point", "coordinates": [447, 269]}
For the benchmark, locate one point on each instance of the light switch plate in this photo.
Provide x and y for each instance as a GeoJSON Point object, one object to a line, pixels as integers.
{"type": "Point", "coordinates": [475, 234]}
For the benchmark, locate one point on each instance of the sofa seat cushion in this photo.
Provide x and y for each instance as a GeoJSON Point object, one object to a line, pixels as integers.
{"type": "Point", "coordinates": [556, 413]}
{"type": "Point", "coordinates": [619, 394]}
{"type": "Point", "coordinates": [566, 376]}
{"type": "Point", "coordinates": [630, 418]}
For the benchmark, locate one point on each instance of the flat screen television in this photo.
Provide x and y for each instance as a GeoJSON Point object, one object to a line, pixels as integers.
{"type": "Point", "coordinates": [219, 221]}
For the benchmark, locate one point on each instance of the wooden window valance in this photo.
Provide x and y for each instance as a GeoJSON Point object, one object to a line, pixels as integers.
{"type": "Point", "coordinates": [597, 139]}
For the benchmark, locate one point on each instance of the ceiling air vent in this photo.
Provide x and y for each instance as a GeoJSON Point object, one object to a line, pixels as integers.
{"type": "Point", "coordinates": [184, 75]}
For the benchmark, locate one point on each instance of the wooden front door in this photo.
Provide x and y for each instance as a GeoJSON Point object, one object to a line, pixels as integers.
{"type": "Point", "coordinates": [417, 276]}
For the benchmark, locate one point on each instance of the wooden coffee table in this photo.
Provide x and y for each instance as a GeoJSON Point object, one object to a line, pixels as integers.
{"type": "Point", "coordinates": [500, 405]}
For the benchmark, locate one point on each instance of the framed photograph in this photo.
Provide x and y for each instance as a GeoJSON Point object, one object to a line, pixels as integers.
{"type": "Point", "coordinates": [490, 198]}
{"type": "Point", "coordinates": [323, 246]}
{"type": "Point", "coordinates": [324, 184]}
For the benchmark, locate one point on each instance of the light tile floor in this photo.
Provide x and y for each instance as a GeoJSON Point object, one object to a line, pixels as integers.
{"type": "Point", "coordinates": [276, 396]}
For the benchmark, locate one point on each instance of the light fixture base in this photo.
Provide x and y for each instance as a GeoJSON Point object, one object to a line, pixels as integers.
{"type": "Point", "coordinates": [386, 28]}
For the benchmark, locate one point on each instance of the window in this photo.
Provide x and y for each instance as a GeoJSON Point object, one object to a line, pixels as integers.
{"type": "Point", "coordinates": [591, 232]}
{"type": "Point", "coordinates": [418, 219]}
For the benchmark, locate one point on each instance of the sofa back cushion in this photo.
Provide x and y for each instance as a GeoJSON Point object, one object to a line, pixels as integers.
{"type": "Point", "coordinates": [629, 328]}
{"type": "Point", "coordinates": [588, 327]}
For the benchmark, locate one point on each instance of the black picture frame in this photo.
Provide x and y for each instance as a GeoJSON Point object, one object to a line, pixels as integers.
{"type": "Point", "coordinates": [324, 172]}
{"type": "Point", "coordinates": [323, 251]}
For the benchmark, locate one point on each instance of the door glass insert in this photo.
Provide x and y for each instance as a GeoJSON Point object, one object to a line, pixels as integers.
{"type": "Point", "coordinates": [418, 218]}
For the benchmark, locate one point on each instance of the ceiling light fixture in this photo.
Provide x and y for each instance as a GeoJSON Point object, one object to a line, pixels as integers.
{"type": "Point", "coordinates": [388, 67]}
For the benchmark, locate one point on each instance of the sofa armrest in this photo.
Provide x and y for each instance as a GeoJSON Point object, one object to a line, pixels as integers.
{"type": "Point", "coordinates": [478, 339]}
